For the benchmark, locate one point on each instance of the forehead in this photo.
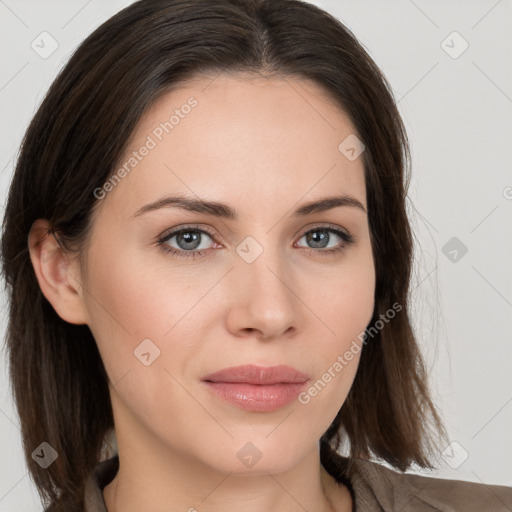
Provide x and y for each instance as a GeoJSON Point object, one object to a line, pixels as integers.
{"type": "Point", "coordinates": [241, 137]}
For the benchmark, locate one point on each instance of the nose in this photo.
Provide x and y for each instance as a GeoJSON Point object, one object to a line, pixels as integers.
{"type": "Point", "coordinates": [264, 297]}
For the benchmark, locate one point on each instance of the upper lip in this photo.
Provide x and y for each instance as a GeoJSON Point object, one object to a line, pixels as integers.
{"type": "Point", "coordinates": [263, 375]}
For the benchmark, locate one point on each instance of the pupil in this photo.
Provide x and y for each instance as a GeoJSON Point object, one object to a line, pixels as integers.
{"type": "Point", "coordinates": [314, 239]}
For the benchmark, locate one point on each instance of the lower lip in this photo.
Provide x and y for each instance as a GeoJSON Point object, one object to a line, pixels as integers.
{"type": "Point", "coordinates": [255, 397]}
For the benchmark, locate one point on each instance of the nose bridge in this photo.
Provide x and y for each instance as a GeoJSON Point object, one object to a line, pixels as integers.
{"type": "Point", "coordinates": [264, 286]}
{"type": "Point", "coordinates": [262, 261]}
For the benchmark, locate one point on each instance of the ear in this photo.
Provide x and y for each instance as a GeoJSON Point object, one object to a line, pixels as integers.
{"type": "Point", "coordinates": [57, 273]}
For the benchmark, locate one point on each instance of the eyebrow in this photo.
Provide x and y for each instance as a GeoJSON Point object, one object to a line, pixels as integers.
{"type": "Point", "coordinates": [224, 211]}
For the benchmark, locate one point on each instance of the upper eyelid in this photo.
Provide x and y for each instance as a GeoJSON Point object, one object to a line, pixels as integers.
{"type": "Point", "coordinates": [172, 232]}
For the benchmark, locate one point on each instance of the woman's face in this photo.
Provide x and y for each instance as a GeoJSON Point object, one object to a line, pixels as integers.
{"type": "Point", "coordinates": [263, 286]}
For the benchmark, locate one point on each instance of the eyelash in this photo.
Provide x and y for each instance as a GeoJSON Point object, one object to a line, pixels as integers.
{"type": "Point", "coordinates": [346, 237]}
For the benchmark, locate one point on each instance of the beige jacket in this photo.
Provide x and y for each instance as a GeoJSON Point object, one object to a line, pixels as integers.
{"type": "Point", "coordinates": [374, 488]}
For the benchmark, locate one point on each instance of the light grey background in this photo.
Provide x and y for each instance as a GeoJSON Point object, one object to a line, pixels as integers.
{"type": "Point", "coordinates": [458, 112]}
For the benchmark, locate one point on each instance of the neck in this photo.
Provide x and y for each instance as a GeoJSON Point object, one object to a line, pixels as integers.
{"type": "Point", "coordinates": [174, 483]}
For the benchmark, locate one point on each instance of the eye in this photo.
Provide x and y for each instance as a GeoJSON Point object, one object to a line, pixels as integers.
{"type": "Point", "coordinates": [190, 242]}
{"type": "Point", "coordinates": [319, 238]}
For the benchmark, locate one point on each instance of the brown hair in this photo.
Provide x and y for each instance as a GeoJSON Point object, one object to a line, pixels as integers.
{"type": "Point", "coordinates": [72, 147]}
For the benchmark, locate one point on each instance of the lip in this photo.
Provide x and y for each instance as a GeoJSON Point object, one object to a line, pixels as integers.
{"type": "Point", "coordinates": [261, 375]}
{"type": "Point", "coordinates": [257, 388]}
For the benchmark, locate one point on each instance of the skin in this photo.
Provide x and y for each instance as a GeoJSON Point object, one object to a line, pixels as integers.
{"type": "Point", "coordinates": [264, 146]}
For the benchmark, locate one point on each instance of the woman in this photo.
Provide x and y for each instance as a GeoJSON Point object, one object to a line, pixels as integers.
{"type": "Point", "coordinates": [207, 230]}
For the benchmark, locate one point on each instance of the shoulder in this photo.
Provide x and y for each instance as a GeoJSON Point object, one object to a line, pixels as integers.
{"type": "Point", "coordinates": [378, 488]}
{"type": "Point", "coordinates": [93, 500]}
{"type": "Point", "coordinates": [409, 491]}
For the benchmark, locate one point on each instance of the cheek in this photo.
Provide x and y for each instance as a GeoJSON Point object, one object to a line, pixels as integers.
{"type": "Point", "coordinates": [346, 300]}
{"type": "Point", "coordinates": [346, 312]}
{"type": "Point", "coordinates": [125, 308]}
{"type": "Point", "coordinates": [130, 302]}
{"type": "Point", "coordinates": [345, 309]}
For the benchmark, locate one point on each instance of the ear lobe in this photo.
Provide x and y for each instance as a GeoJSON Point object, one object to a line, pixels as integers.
{"type": "Point", "coordinates": [57, 273]}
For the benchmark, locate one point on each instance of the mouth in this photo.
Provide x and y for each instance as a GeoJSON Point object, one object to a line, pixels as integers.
{"type": "Point", "coordinates": [257, 388]}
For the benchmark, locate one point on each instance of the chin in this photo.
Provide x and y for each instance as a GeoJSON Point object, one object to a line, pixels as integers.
{"type": "Point", "coordinates": [257, 455]}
